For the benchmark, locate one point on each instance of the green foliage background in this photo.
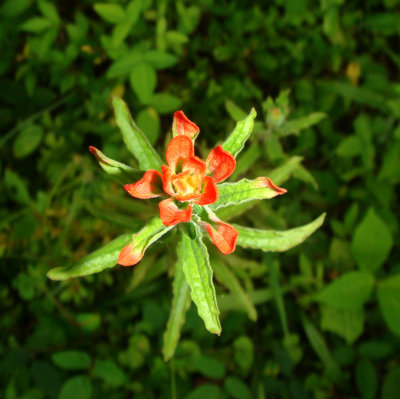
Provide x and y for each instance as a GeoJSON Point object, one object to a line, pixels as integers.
{"type": "Point", "coordinates": [328, 311]}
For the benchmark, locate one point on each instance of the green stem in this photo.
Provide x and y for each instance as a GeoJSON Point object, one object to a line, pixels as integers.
{"type": "Point", "coordinates": [277, 291]}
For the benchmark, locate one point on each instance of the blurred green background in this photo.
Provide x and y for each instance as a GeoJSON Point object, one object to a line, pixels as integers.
{"type": "Point", "coordinates": [328, 318]}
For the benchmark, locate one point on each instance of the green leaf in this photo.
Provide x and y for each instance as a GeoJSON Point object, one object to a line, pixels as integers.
{"type": "Point", "coordinates": [97, 261]}
{"type": "Point", "coordinates": [49, 10]}
{"type": "Point", "coordinates": [375, 349]}
{"type": "Point", "coordinates": [146, 236]}
{"type": "Point", "coordinates": [180, 304]}
{"type": "Point", "coordinates": [229, 280]}
{"type": "Point", "coordinates": [113, 13]}
{"type": "Point", "coordinates": [349, 147]}
{"type": "Point", "coordinates": [282, 173]}
{"type": "Point", "coordinates": [237, 389]}
{"type": "Point", "coordinates": [366, 379]}
{"type": "Point", "coordinates": [149, 123]}
{"type": "Point", "coordinates": [233, 211]}
{"type": "Point", "coordinates": [16, 187]}
{"type": "Point", "coordinates": [78, 387]}
{"type": "Point", "coordinates": [110, 373]}
{"type": "Point", "coordinates": [71, 360]}
{"type": "Point", "coordinates": [295, 125]}
{"type": "Point", "coordinates": [88, 322]}
{"type": "Point", "coordinates": [209, 367]}
{"type": "Point", "coordinates": [36, 25]}
{"type": "Point", "coordinates": [389, 302]}
{"type": "Point", "coordinates": [234, 111]}
{"type": "Point", "coordinates": [391, 386]}
{"type": "Point", "coordinates": [135, 140]}
{"type": "Point", "coordinates": [133, 10]}
{"type": "Point", "coordinates": [372, 242]}
{"type": "Point", "coordinates": [243, 191]}
{"type": "Point", "coordinates": [160, 59]}
{"type": "Point", "coordinates": [321, 349]}
{"type": "Point", "coordinates": [276, 241]}
{"type": "Point", "coordinates": [143, 80]}
{"type": "Point", "coordinates": [237, 139]}
{"type": "Point", "coordinates": [165, 103]}
{"type": "Point", "coordinates": [198, 272]}
{"type": "Point", "coordinates": [124, 64]}
{"type": "Point", "coordinates": [244, 353]}
{"type": "Point", "coordinates": [349, 291]}
{"type": "Point", "coordinates": [12, 8]}
{"type": "Point", "coordinates": [120, 172]}
{"type": "Point", "coordinates": [348, 323]}
{"type": "Point", "coordinates": [120, 32]}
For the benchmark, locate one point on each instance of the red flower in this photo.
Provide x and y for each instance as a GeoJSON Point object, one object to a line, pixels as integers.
{"type": "Point", "coordinates": [188, 180]}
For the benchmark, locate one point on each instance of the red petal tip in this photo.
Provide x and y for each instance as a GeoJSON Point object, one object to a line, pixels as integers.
{"type": "Point", "coordinates": [128, 256]}
{"type": "Point", "coordinates": [149, 186]}
{"type": "Point", "coordinates": [267, 182]}
{"type": "Point", "coordinates": [182, 125]}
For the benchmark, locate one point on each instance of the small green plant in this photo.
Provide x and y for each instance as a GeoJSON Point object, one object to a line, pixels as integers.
{"type": "Point", "coordinates": [190, 196]}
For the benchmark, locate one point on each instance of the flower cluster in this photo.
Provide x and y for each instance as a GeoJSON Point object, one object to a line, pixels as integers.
{"type": "Point", "coordinates": [187, 182]}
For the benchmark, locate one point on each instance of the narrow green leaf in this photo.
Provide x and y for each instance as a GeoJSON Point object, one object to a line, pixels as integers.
{"type": "Point", "coordinates": [247, 159]}
{"type": "Point", "coordinates": [198, 272]}
{"type": "Point", "coordinates": [389, 302]}
{"type": "Point", "coordinates": [146, 236]}
{"type": "Point", "coordinates": [229, 280]}
{"type": "Point", "coordinates": [349, 291]}
{"type": "Point", "coordinates": [233, 211]}
{"type": "Point", "coordinates": [95, 262]}
{"type": "Point", "coordinates": [49, 10]}
{"type": "Point", "coordinates": [135, 140]}
{"type": "Point", "coordinates": [36, 25]}
{"type": "Point", "coordinates": [366, 379]}
{"type": "Point", "coordinates": [295, 125]}
{"type": "Point", "coordinates": [391, 386]}
{"type": "Point", "coordinates": [148, 121]}
{"type": "Point", "coordinates": [372, 242]}
{"type": "Point", "coordinates": [234, 111]}
{"type": "Point", "coordinates": [122, 173]}
{"type": "Point", "coordinates": [282, 173]}
{"type": "Point", "coordinates": [278, 294]}
{"type": "Point", "coordinates": [143, 79]}
{"type": "Point", "coordinates": [243, 191]}
{"type": "Point", "coordinates": [321, 349]}
{"type": "Point", "coordinates": [276, 241]}
{"type": "Point", "coordinates": [180, 304]}
{"type": "Point", "coordinates": [113, 13]}
{"type": "Point", "coordinates": [237, 139]}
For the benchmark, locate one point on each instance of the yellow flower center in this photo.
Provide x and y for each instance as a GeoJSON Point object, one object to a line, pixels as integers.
{"type": "Point", "coordinates": [185, 183]}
